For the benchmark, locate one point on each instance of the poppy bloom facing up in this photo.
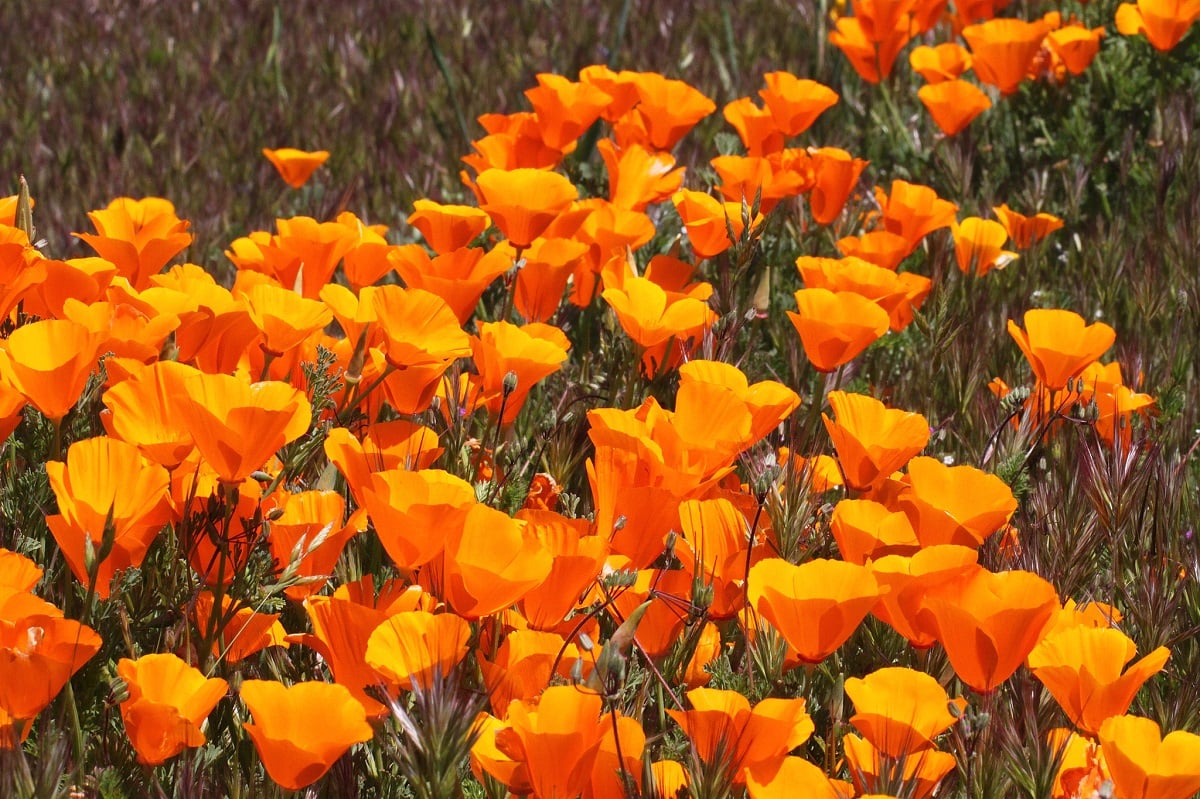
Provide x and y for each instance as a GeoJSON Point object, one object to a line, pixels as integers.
{"type": "Point", "coordinates": [954, 104]}
{"type": "Point", "coordinates": [139, 236]}
{"type": "Point", "coordinates": [38, 654]}
{"type": "Point", "coordinates": [1026, 231]}
{"type": "Point", "coordinates": [836, 328]}
{"type": "Point", "coordinates": [815, 606]}
{"type": "Point", "coordinates": [835, 173]}
{"type": "Point", "coordinates": [978, 246]}
{"type": "Point", "coordinates": [795, 103]}
{"type": "Point", "coordinates": [1165, 22]}
{"type": "Point", "coordinates": [1081, 667]}
{"type": "Point", "coordinates": [295, 166]}
{"type": "Point", "coordinates": [1003, 49]}
{"type": "Point", "coordinates": [410, 648]}
{"type": "Point", "coordinates": [523, 202]}
{"type": "Point", "coordinates": [106, 486]}
{"type": "Point", "coordinates": [49, 362]}
{"type": "Point", "coordinates": [941, 63]}
{"type": "Point", "coordinates": [237, 425]}
{"type": "Point", "coordinates": [447, 228]}
{"type": "Point", "coordinates": [900, 711]}
{"type": "Point", "coordinates": [1144, 764]}
{"type": "Point", "coordinates": [955, 504]}
{"type": "Point", "coordinates": [710, 221]}
{"type": "Point", "coordinates": [300, 731]}
{"type": "Point", "coordinates": [872, 440]}
{"type": "Point", "coordinates": [167, 705]}
{"type": "Point", "coordinates": [1059, 345]}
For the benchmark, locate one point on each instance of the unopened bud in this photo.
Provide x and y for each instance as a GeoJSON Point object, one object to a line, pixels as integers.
{"type": "Point", "coordinates": [510, 383]}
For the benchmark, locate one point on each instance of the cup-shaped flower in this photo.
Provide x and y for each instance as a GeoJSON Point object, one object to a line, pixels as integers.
{"type": "Point", "coordinates": [836, 172]}
{"type": "Point", "coordinates": [815, 606]}
{"type": "Point", "coordinates": [49, 362]}
{"type": "Point", "coordinates": [789, 777]}
{"type": "Point", "coordinates": [38, 654]}
{"type": "Point", "coordinates": [909, 580]}
{"type": "Point", "coordinates": [295, 166]}
{"type": "Point", "coordinates": [795, 103]}
{"type": "Point", "coordinates": [1003, 49]}
{"type": "Point", "coordinates": [1144, 764]}
{"type": "Point", "coordinates": [284, 318]}
{"type": "Point", "coordinates": [954, 104]}
{"type": "Point", "coordinates": [955, 504]}
{"type": "Point", "coordinates": [459, 277]}
{"type": "Point", "coordinates": [565, 108]}
{"type": "Point", "coordinates": [867, 530]}
{"type": "Point", "coordinates": [872, 770]}
{"type": "Point", "coordinates": [913, 211]}
{"type": "Point", "coordinates": [1165, 22]}
{"type": "Point", "coordinates": [145, 411]}
{"type": "Point", "coordinates": [710, 222]}
{"type": "Point", "coordinates": [237, 633]}
{"type": "Point", "coordinates": [1059, 345]}
{"type": "Point", "coordinates": [872, 440]}
{"type": "Point", "coordinates": [1026, 231]}
{"type": "Point", "coordinates": [447, 228]}
{"type": "Point", "coordinates": [301, 731]}
{"type": "Point", "coordinates": [523, 202]}
{"type": "Point", "coordinates": [978, 246]}
{"type": "Point", "coordinates": [938, 64]}
{"type": "Point", "coordinates": [410, 649]}
{"type": "Point", "coordinates": [139, 236]}
{"type": "Point", "coordinates": [238, 425]}
{"type": "Point", "coordinates": [651, 316]}
{"type": "Point", "coordinates": [167, 705]}
{"type": "Point", "coordinates": [1081, 667]}
{"type": "Point", "coordinates": [836, 327]}
{"type": "Point", "coordinates": [530, 353]}
{"type": "Point", "coordinates": [109, 494]}
{"type": "Point", "coordinates": [415, 512]}
{"type": "Point", "coordinates": [418, 328]}
{"type": "Point", "coordinates": [667, 109]}
{"type": "Point", "coordinates": [989, 621]}
{"type": "Point", "coordinates": [312, 525]}
{"type": "Point", "coordinates": [899, 710]}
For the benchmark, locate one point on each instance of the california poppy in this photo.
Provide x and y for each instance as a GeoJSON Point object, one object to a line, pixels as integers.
{"type": "Point", "coordinates": [791, 776]}
{"type": "Point", "coordinates": [167, 705]}
{"type": "Point", "coordinates": [978, 246]}
{"type": "Point", "coordinates": [795, 103]}
{"type": "Point", "coordinates": [637, 175]}
{"type": "Point", "coordinates": [284, 317]}
{"type": "Point", "coordinates": [578, 559]}
{"type": "Point", "coordinates": [1059, 344]}
{"type": "Point", "coordinates": [139, 236]}
{"type": "Point", "coordinates": [458, 276]}
{"type": "Point", "coordinates": [49, 362]}
{"type": "Point", "coordinates": [913, 210]}
{"type": "Point", "coordinates": [1075, 46]}
{"type": "Point", "coordinates": [109, 494]}
{"type": "Point", "coordinates": [21, 268]}
{"type": "Point", "coordinates": [757, 128]}
{"type": "Point", "coordinates": [872, 440]}
{"type": "Point", "coordinates": [835, 174]}
{"type": "Point", "coordinates": [618, 764]}
{"type": "Point", "coordinates": [815, 606]}
{"type": "Point", "coordinates": [873, 770]}
{"type": "Point", "coordinates": [144, 411]}
{"type": "Point", "coordinates": [565, 108]}
{"type": "Point", "coordinates": [447, 228]}
{"type": "Point", "coordinates": [710, 222]}
{"type": "Point", "coordinates": [556, 738]}
{"type": "Point", "coordinates": [295, 166]}
{"type": "Point", "coordinates": [542, 280]}
{"type": "Point", "coordinates": [300, 731]}
{"type": "Point", "coordinates": [866, 530]}
{"type": "Point", "coordinates": [651, 316]}
{"type": "Point", "coordinates": [524, 665]}
{"type": "Point", "coordinates": [311, 524]}
{"type": "Point", "coordinates": [953, 104]}
{"type": "Point", "coordinates": [411, 649]}
{"type": "Point", "coordinates": [1026, 231]}
{"type": "Point", "coordinates": [947, 61]}
{"type": "Point", "coordinates": [1165, 22]}
{"type": "Point", "coordinates": [1003, 49]}
{"type": "Point", "coordinates": [1145, 764]}
{"type": "Point", "coordinates": [1081, 667]}
{"type": "Point", "coordinates": [988, 622]}
{"type": "Point", "coordinates": [836, 328]}
{"type": "Point", "coordinates": [523, 202]}
{"type": "Point", "coordinates": [239, 630]}
{"type": "Point", "coordinates": [899, 710]}
{"type": "Point", "coordinates": [529, 353]}
{"type": "Point", "coordinates": [38, 655]}
{"type": "Point", "coordinates": [414, 511]}
{"type": "Point", "coordinates": [871, 45]}
{"type": "Point", "coordinates": [955, 504]}
{"type": "Point", "coordinates": [667, 108]}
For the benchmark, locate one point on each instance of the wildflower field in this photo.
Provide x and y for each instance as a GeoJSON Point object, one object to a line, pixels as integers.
{"type": "Point", "coordinates": [600, 400]}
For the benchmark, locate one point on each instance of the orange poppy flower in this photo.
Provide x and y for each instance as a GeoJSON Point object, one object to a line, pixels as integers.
{"type": "Point", "coordinates": [241, 632]}
{"type": "Point", "coordinates": [763, 179]}
{"type": "Point", "coordinates": [139, 236]}
{"type": "Point", "coordinates": [1059, 345]}
{"type": "Point", "coordinates": [1144, 764]}
{"type": "Point", "coordinates": [955, 504]}
{"type": "Point", "coordinates": [880, 247]}
{"type": "Point", "coordinates": [565, 108]}
{"type": "Point", "coordinates": [913, 211]}
{"type": "Point", "coordinates": [618, 759]}
{"type": "Point", "coordinates": [1003, 49]}
{"type": "Point", "coordinates": [1165, 22]}
{"type": "Point", "coordinates": [284, 318]}
{"type": "Point", "coordinates": [900, 711]}
{"type": "Point", "coordinates": [447, 228]}
{"type": "Point", "coordinates": [1026, 231]}
{"type": "Point", "coordinates": [144, 411]}
{"type": "Point", "coordinates": [638, 176]}
{"type": "Point", "coordinates": [410, 648]}
{"type": "Point", "coordinates": [237, 425]}
{"type": "Point", "coordinates": [897, 294]}
{"type": "Point", "coordinates": [978, 246]}
{"type": "Point", "coordinates": [1075, 46]}
{"type": "Point", "coordinates": [555, 739]}
{"type": "Point", "coordinates": [11, 405]}
{"type": "Point", "coordinates": [303, 255]}
{"type": "Point", "coordinates": [866, 530]}
{"type": "Point", "coordinates": [836, 328]}
{"type": "Point", "coordinates": [755, 126]}
{"type": "Point", "coordinates": [578, 559]}
{"type": "Point", "coordinates": [300, 731]}
{"type": "Point", "coordinates": [523, 202]}
{"type": "Point", "coordinates": [667, 109]}
{"type": "Point", "coordinates": [524, 665]}
{"type": "Point", "coordinates": [815, 606]}
{"type": "Point", "coordinates": [709, 222]}
{"type": "Point", "coordinates": [1081, 667]}
{"type": "Point", "coordinates": [872, 440]}
{"type": "Point", "coordinates": [542, 279]}
{"type": "Point", "coordinates": [947, 61]}
{"type": "Point", "coordinates": [909, 580]}
{"type": "Point", "coordinates": [459, 277]}
{"type": "Point", "coordinates": [17, 571]}
{"type": "Point", "coordinates": [795, 103]}
{"type": "Point", "coordinates": [531, 353]}
{"type": "Point", "coordinates": [50, 362]}
{"type": "Point", "coordinates": [415, 511]}
{"type": "Point", "coordinates": [303, 519]}
{"type": "Point", "coordinates": [791, 776]}
{"type": "Point", "coordinates": [871, 45]}
{"type": "Point", "coordinates": [872, 770]}
{"type": "Point", "coordinates": [106, 485]}
{"type": "Point", "coordinates": [835, 173]}
{"type": "Point", "coordinates": [954, 104]}
{"type": "Point", "coordinates": [651, 316]}
{"type": "Point", "coordinates": [417, 328]}
{"type": "Point", "coordinates": [167, 705]}
{"type": "Point", "coordinates": [989, 621]}
{"type": "Point", "coordinates": [38, 654]}
{"type": "Point", "coordinates": [489, 563]}
{"type": "Point", "coordinates": [721, 724]}
{"type": "Point", "coordinates": [21, 268]}
{"type": "Point", "coordinates": [399, 444]}
{"type": "Point", "coordinates": [295, 166]}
